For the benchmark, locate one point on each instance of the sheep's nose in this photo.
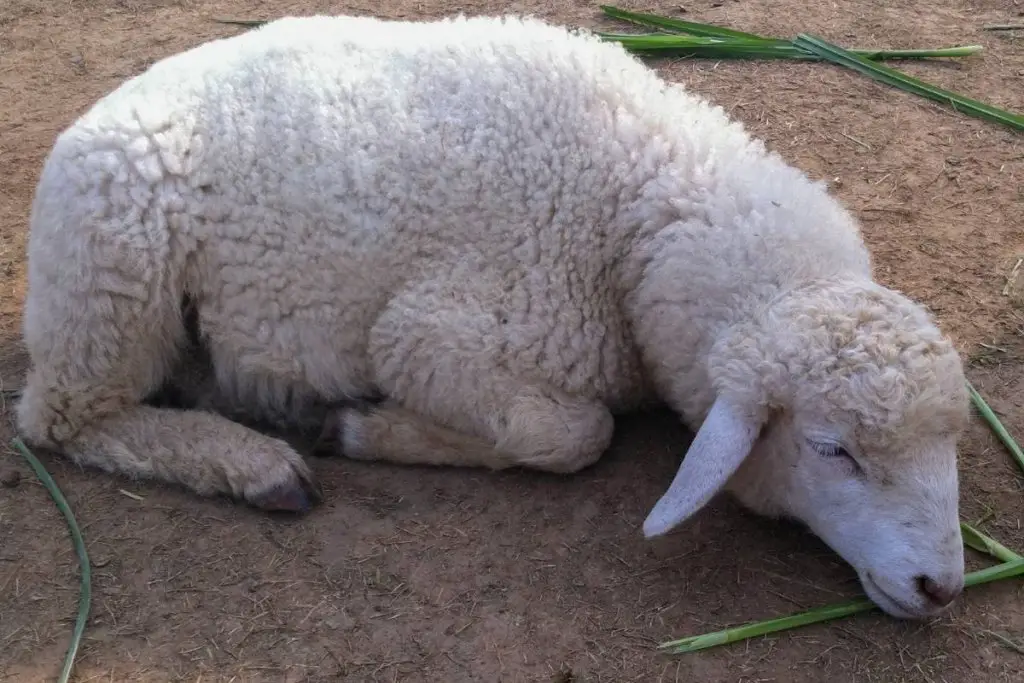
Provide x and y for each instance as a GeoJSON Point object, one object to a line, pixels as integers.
{"type": "Point", "coordinates": [940, 593]}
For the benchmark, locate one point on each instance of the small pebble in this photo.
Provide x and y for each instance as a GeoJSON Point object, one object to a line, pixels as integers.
{"type": "Point", "coordinates": [10, 478]}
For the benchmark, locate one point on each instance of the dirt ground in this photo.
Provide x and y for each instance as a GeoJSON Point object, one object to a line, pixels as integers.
{"type": "Point", "coordinates": [409, 574]}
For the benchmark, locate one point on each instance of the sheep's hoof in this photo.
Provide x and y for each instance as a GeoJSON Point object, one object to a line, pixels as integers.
{"type": "Point", "coordinates": [295, 497]}
{"type": "Point", "coordinates": [299, 494]}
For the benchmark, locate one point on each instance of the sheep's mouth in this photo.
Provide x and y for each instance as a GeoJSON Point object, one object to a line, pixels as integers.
{"type": "Point", "coordinates": [890, 604]}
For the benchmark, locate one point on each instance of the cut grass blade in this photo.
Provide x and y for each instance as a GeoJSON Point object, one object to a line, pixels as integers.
{"type": "Point", "coordinates": [727, 39]}
{"type": "Point", "coordinates": [993, 421]}
{"type": "Point", "coordinates": [702, 642]}
{"type": "Point", "coordinates": [680, 26]}
{"type": "Point", "coordinates": [892, 77]}
{"type": "Point", "coordinates": [662, 44]}
{"type": "Point", "coordinates": [982, 543]}
{"type": "Point", "coordinates": [85, 569]}
{"type": "Point", "coordinates": [725, 48]}
{"type": "Point", "coordinates": [761, 628]}
{"type": "Point", "coordinates": [959, 51]}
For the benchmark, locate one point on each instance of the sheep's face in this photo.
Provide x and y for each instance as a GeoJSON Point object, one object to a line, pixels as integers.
{"type": "Point", "coordinates": [891, 513]}
{"type": "Point", "coordinates": [842, 410]}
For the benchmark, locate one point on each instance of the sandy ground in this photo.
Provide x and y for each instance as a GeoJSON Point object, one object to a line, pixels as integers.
{"type": "Point", "coordinates": [452, 575]}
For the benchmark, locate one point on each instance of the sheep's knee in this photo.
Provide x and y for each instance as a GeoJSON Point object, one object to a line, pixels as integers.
{"type": "Point", "coordinates": [40, 418]}
{"type": "Point", "coordinates": [50, 415]}
{"type": "Point", "coordinates": [561, 436]}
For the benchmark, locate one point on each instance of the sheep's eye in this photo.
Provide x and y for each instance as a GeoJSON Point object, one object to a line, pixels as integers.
{"type": "Point", "coordinates": [833, 450]}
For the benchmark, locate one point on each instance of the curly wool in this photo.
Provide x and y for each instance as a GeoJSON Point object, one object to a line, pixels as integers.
{"type": "Point", "coordinates": [869, 356]}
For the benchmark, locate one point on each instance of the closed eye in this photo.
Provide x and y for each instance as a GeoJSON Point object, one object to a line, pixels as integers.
{"type": "Point", "coordinates": [834, 450]}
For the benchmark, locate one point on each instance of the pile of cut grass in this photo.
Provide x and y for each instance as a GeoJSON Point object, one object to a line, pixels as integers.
{"type": "Point", "coordinates": [691, 39]}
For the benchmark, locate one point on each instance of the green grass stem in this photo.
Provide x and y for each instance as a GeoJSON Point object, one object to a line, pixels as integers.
{"type": "Point", "coordinates": [702, 642]}
{"type": "Point", "coordinates": [680, 26]}
{"type": "Point", "coordinates": [748, 45]}
{"type": "Point", "coordinates": [662, 44]}
{"type": "Point", "coordinates": [85, 569]}
{"type": "Point", "coordinates": [982, 543]}
{"type": "Point", "coordinates": [993, 421]}
{"type": "Point", "coordinates": [889, 76]}
{"type": "Point", "coordinates": [723, 43]}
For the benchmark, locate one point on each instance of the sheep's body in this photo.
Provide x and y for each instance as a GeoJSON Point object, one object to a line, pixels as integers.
{"type": "Point", "coordinates": [509, 232]}
{"type": "Point", "coordinates": [296, 228]}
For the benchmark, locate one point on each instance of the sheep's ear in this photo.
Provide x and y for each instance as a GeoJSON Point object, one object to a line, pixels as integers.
{"type": "Point", "coordinates": [722, 442]}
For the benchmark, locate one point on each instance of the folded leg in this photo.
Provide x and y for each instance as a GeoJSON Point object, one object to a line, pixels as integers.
{"type": "Point", "coordinates": [438, 357]}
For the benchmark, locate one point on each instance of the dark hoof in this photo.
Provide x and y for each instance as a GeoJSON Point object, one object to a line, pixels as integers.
{"type": "Point", "coordinates": [289, 499]}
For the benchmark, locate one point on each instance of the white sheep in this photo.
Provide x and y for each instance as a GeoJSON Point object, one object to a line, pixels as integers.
{"type": "Point", "coordinates": [510, 231]}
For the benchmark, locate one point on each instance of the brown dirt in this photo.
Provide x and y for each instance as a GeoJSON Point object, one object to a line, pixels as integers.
{"type": "Point", "coordinates": [453, 575]}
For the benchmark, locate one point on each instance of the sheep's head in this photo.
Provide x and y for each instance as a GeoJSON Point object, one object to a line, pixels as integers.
{"type": "Point", "coordinates": [840, 406]}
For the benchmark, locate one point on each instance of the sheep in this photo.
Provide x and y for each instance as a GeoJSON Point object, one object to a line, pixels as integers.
{"type": "Point", "coordinates": [474, 241]}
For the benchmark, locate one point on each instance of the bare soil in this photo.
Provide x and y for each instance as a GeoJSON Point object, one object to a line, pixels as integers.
{"type": "Point", "coordinates": [420, 574]}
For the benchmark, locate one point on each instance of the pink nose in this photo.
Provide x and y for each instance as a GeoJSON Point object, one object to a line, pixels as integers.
{"type": "Point", "coordinates": [939, 593]}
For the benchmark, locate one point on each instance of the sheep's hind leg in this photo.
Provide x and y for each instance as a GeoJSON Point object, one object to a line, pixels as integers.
{"type": "Point", "coordinates": [392, 433]}
{"type": "Point", "coordinates": [389, 432]}
{"type": "Point", "coordinates": [451, 402]}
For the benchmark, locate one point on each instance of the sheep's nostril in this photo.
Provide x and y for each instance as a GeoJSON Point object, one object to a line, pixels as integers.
{"type": "Point", "coordinates": [937, 592]}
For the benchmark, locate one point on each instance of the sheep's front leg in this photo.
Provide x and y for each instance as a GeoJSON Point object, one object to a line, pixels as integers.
{"type": "Point", "coordinates": [98, 424]}
{"type": "Point", "coordinates": [96, 357]}
{"type": "Point", "coordinates": [438, 356]}
{"type": "Point", "coordinates": [205, 452]}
